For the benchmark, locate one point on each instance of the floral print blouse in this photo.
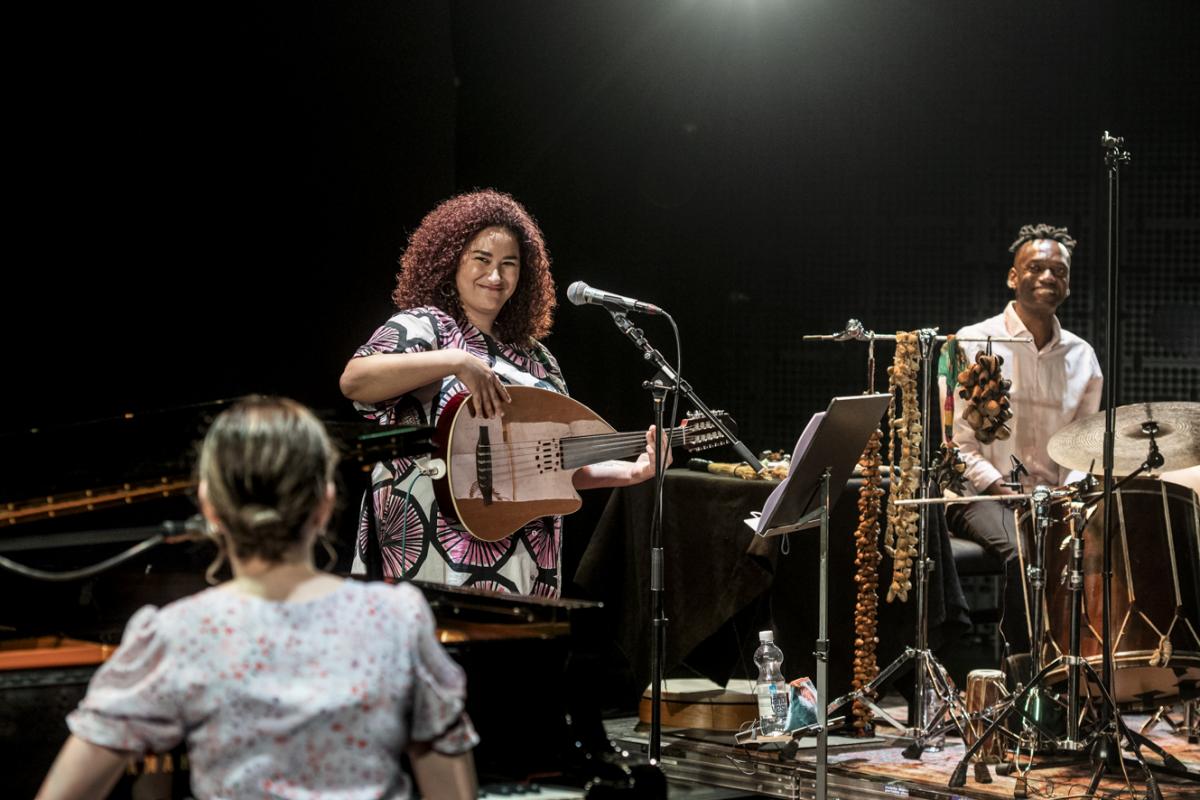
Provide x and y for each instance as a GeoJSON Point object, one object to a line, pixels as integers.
{"type": "Point", "coordinates": [276, 699]}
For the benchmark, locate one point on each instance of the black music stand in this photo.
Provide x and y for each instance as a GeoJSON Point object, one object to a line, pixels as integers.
{"type": "Point", "coordinates": [823, 459]}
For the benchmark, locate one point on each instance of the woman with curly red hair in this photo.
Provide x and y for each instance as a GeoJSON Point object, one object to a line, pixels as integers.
{"type": "Point", "coordinates": [475, 297]}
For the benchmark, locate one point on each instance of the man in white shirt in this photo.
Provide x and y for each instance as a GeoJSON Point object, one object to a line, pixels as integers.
{"type": "Point", "coordinates": [1055, 380]}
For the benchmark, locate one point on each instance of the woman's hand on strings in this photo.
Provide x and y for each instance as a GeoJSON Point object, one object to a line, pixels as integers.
{"type": "Point", "coordinates": [488, 393]}
{"type": "Point", "coordinates": [643, 467]}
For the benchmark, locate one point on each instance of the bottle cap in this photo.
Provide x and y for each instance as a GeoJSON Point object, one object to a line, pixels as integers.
{"type": "Point", "coordinates": [766, 636]}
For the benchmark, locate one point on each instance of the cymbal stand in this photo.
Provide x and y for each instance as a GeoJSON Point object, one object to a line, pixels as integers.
{"type": "Point", "coordinates": [1112, 728]}
{"type": "Point", "coordinates": [1106, 753]}
{"type": "Point", "coordinates": [948, 712]}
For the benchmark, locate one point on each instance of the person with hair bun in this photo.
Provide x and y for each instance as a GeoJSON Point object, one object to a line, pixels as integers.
{"type": "Point", "coordinates": [476, 299]}
{"type": "Point", "coordinates": [284, 681]}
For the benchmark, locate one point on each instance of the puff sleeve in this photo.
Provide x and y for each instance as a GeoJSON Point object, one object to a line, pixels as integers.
{"type": "Point", "coordinates": [130, 704]}
{"type": "Point", "coordinates": [439, 688]}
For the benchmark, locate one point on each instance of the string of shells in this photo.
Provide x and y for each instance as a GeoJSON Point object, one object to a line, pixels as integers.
{"type": "Point", "coordinates": [986, 394]}
{"type": "Point", "coordinates": [866, 560]}
{"type": "Point", "coordinates": [904, 455]}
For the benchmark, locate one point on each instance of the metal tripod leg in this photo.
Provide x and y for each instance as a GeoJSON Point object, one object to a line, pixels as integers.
{"type": "Point", "coordinates": [1169, 761]}
{"type": "Point", "coordinates": [1102, 752]}
{"type": "Point", "coordinates": [866, 694]}
{"type": "Point", "coordinates": [947, 704]}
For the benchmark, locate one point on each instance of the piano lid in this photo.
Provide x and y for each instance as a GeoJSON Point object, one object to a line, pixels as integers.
{"type": "Point", "coordinates": [79, 467]}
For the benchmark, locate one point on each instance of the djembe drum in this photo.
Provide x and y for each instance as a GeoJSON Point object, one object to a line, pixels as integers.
{"type": "Point", "coordinates": [985, 689]}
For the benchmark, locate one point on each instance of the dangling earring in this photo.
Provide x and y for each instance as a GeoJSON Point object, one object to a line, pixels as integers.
{"type": "Point", "coordinates": [210, 574]}
{"type": "Point", "coordinates": [330, 551]}
{"type": "Point", "coordinates": [214, 533]}
{"type": "Point", "coordinates": [445, 292]}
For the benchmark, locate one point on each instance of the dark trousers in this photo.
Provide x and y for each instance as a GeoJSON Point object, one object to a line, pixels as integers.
{"type": "Point", "coordinates": [993, 525]}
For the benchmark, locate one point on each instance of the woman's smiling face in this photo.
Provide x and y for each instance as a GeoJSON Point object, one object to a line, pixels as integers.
{"type": "Point", "coordinates": [488, 271]}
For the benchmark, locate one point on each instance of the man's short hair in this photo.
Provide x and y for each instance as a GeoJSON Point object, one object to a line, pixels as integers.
{"type": "Point", "coordinates": [1029, 233]}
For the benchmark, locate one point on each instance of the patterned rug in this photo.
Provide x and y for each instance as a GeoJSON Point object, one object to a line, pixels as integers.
{"type": "Point", "coordinates": [933, 770]}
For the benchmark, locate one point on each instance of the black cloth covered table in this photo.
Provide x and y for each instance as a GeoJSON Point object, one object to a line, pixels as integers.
{"type": "Point", "coordinates": [724, 584]}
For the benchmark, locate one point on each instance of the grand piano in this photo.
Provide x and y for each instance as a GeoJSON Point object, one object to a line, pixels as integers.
{"type": "Point", "coordinates": [94, 523]}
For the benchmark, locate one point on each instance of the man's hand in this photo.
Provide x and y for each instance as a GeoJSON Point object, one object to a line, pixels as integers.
{"type": "Point", "coordinates": [999, 487]}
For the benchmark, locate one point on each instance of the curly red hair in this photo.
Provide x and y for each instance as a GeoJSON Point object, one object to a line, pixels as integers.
{"type": "Point", "coordinates": [430, 263]}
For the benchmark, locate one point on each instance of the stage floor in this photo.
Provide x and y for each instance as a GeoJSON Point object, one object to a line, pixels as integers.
{"type": "Point", "coordinates": [859, 769]}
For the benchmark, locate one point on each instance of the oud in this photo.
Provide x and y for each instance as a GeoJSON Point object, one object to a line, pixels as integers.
{"type": "Point", "coordinates": [503, 473]}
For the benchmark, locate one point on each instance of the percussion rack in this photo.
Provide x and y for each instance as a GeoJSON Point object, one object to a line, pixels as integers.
{"type": "Point", "coordinates": [928, 669]}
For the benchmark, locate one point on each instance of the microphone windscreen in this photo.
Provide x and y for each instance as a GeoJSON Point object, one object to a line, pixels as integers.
{"type": "Point", "coordinates": [577, 293]}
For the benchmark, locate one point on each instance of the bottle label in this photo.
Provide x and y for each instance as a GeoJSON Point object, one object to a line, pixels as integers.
{"type": "Point", "coordinates": [781, 701]}
{"type": "Point", "coordinates": [766, 701]}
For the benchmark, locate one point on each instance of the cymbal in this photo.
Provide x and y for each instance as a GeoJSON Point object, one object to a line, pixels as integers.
{"type": "Point", "coordinates": [1081, 444]}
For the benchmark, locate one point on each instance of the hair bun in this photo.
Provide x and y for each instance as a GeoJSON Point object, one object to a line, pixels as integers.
{"type": "Point", "coordinates": [255, 517]}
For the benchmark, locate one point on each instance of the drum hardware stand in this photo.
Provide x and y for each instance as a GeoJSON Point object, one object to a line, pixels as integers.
{"type": "Point", "coordinates": [667, 381]}
{"type": "Point", "coordinates": [1032, 732]}
{"type": "Point", "coordinates": [1154, 460]}
{"type": "Point", "coordinates": [930, 674]}
{"type": "Point", "coordinates": [1072, 745]}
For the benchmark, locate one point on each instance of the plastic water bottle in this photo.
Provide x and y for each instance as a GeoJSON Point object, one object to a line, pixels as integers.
{"type": "Point", "coordinates": [934, 713]}
{"type": "Point", "coordinates": [770, 688]}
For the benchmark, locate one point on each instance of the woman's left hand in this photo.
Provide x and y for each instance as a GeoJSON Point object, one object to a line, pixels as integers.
{"type": "Point", "coordinates": [622, 473]}
{"type": "Point", "coordinates": [643, 468]}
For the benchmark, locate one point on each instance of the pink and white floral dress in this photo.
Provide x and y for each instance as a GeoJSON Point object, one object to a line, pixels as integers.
{"type": "Point", "coordinates": [314, 699]}
{"type": "Point", "coordinates": [415, 540]}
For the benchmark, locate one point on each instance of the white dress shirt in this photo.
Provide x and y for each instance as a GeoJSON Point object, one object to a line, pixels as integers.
{"type": "Point", "coordinates": [1051, 388]}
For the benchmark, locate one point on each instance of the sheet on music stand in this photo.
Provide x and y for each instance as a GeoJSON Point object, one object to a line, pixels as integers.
{"type": "Point", "coordinates": [833, 439]}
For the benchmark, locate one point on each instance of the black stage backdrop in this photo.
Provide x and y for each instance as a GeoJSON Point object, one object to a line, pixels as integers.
{"type": "Point", "coordinates": [207, 201]}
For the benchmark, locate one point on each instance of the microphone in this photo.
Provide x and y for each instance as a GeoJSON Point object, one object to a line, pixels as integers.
{"type": "Point", "coordinates": [1018, 469]}
{"type": "Point", "coordinates": [580, 293]}
{"type": "Point", "coordinates": [195, 525]}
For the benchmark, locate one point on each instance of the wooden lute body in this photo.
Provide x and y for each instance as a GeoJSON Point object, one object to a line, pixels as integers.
{"type": "Point", "coordinates": [505, 472]}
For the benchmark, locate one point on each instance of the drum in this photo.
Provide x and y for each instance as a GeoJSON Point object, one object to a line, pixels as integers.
{"type": "Point", "coordinates": [1155, 615]}
{"type": "Point", "coordinates": [985, 688]}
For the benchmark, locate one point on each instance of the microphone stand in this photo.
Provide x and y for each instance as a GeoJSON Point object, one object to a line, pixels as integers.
{"type": "Point", "coordinates": [659, 390]}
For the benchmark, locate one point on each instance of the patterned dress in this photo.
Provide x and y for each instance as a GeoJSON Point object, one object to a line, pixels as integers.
{"type": "Point", "coordinates": [282, 699]}
{"type": "Point", "coordinates": [415, 540]}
